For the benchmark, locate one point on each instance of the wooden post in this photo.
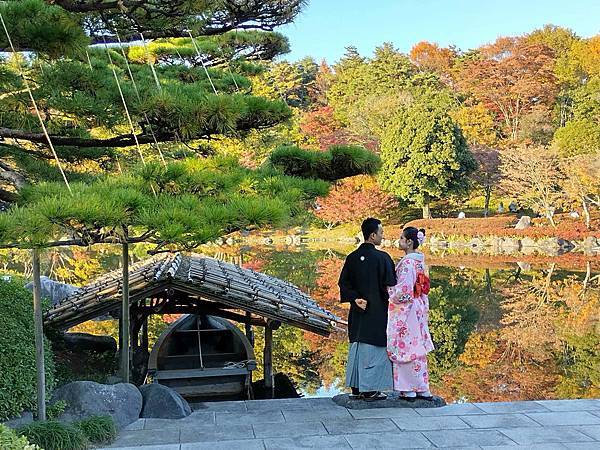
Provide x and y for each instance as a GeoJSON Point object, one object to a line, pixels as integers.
{"type": "Point", "coordinates": [125, 316]}
{"type": "Point", "coordinates": [39, 337]}
{"type": "Point", "coordinates": [249, 330]}
{"type": "Point", "coordinates": [268, 362]}
{"type": "Point", "coordinates": [144, 339]}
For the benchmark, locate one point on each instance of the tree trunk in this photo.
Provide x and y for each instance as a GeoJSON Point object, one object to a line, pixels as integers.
{"type": "Point", "coordinates": [488, 281]}
{"type": "Point", "coordinates": [551, 219]}
{"type": "Point", "coordinates": [125, 315]}
{"type": "Point", "coordinates": [486, 207]}
{"type": "Point", "coordinates": [586, 212]}
{"type": "Point", "coordinates": [39, 338]}
{"type": "Point", "coordinates": [426, 210]}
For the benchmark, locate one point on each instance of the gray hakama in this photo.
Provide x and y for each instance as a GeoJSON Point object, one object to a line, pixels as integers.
{"type": "Point", "coordinates": [369, 368]}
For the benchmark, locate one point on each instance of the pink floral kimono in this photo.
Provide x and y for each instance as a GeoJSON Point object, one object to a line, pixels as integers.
{"type": "Point", "coordinates": [408, 338]}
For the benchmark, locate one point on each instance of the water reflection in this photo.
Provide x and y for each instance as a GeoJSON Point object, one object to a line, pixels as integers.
{"type": "Point", "coordinates": [505, 328]}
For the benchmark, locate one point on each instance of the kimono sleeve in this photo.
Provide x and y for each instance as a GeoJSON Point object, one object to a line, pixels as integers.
{"type": "Point", "coordinates": [347, 291]}
{"type": "Point", "coordinates": [405, 284]}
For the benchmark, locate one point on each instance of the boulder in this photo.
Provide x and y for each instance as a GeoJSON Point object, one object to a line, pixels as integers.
{"type": "Point", "coordinates": [162, 402]}
{"type": "Point", "coordinates": [89, 342]}
{"type": "Point", "coordinates": [510, 245]}
{"type": "Point", "coordinates": [565, 245]}
{"type": "Point", "coordinates": [53, 290]}
{"type": "Point", "coordinates": [523, 223]}
{"type": "Point", "coordinates": [393, 401]}
{"type": "Point", "coordinates": [17, 422]}
{"type": "Point", "coordinates": [122, 401]}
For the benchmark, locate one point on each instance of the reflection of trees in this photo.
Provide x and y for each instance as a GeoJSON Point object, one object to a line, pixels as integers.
{"type": "Point", "coordinates": [298, 268]}
{"type": "Point", "coordinates": [548, 345]}
{"type": "Point", "coordinates": [530, 309]}
{"type": "Point", "coordinates": [452, 317]}
{"type": "Point", "coordinates": [292, 355]}
{"type": "Point", "coordinates": [486, 373]}
{"type": "Point", "coordinates": [579, 333]}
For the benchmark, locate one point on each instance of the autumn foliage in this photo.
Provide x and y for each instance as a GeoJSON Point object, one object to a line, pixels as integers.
{"type": "Point", "coordinates": [511, 79]}
{"type": "Point", "coordinates": [353, 199]}
{"type": "Point", "coordinates": [431, 56]}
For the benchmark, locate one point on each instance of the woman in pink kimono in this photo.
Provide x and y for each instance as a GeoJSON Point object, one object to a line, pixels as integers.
{"type": "Point", "coordinates": [408, 338]}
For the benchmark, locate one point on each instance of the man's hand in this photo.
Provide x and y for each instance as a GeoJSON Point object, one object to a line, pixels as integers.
{"type": "Point", "coordinates": [361, 303]}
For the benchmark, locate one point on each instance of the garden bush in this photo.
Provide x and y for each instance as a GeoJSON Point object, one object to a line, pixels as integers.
{"type": "Point", "coordinates": [54, 435]}
{"type": "Point", "coordinates": [339, 161]}
{"type": "Point", "coordinates": [17, 352]}
{"type": "Point", "coordinates": [10, 441]}
{"type": "Point", "coordinates": [98, 429]}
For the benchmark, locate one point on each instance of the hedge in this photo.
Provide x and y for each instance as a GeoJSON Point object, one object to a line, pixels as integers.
{"type": "Point", "coordinates": [17, 352]}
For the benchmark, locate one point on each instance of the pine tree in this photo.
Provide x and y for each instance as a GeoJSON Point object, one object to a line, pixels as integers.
{"type": "Point", "coordinates": [179, 92]}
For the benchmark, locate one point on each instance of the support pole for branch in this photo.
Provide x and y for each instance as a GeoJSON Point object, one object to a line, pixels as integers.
{"type": "Point", "coordinates": [125, 316]}
{"type": "Point", "coordinates": [268, 361]}
{"type": "Point", "coordinates": [35, 106]}
{"type": "Point", "coordinates": [202, 62]}
{"type": "Point", "coordinates": [39, 337]}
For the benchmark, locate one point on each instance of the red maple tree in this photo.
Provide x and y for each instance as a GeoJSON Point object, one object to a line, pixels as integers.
{"type": "Point", "coordinates": [511, 79]}
{"type": "Point", "coordinates": [353, 199]}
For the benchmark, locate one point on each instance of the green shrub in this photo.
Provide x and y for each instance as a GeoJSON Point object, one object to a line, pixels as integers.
{"type": "Point", "coordinates": [17, 352]}
{"type": "Point", "coordinates": [55, 410]}
{"type": "Point", "coordinates": [54, 435]}
{"type": "Point", "coordinates": [339, 161]}
{"type": "Point", "coordinates": [10, 441]}
{"type": "Point", "coordinates": [98, 429]}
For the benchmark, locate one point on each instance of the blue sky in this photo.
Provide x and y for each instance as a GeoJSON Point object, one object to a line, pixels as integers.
{"type": "Point", "coordinates": [326, 27]}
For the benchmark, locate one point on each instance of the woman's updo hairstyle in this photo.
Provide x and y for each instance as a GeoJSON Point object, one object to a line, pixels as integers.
{"type": "Point", "coordinates": [417, 237]}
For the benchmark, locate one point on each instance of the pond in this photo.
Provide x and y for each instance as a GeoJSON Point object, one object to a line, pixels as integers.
{"type": "Point", "coordinates": [505, 327]}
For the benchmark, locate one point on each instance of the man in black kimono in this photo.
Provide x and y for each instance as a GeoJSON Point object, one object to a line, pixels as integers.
{"type": "Point", "coordinates": [363, 283]}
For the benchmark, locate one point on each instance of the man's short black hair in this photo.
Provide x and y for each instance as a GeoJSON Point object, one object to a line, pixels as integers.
{"type": "Point", "coordinates": [370, 226]}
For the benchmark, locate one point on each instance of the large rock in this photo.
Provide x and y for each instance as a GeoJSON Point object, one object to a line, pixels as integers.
{"type": "Point", "coordinates": [523, 223]}
{"type": "Point", "coordinates": [89, 342]}
{"type": "Point", "coordinates": [53, 290]}
{"type": "Point", "coordinates": [393, 401]}
{"type": "Point", "coordinates": [123, 401]}
{"type": "Point", "coordinates": [17, 422]}
{"type": "Point", "coordinates": [162, 402]}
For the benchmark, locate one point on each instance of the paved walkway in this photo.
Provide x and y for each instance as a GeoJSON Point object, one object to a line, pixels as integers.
{"type": "Point", "coordinates": [319, 423]}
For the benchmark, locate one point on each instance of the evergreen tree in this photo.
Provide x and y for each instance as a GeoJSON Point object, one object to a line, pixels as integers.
{"type": "Point", "coordinates": [137, 108]}
{"type": "Point", "coordinates": [425, 156]}
{"type": "Point", "coordinates": [176, 91]}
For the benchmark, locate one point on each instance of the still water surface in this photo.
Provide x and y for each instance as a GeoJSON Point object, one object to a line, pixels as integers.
{"type": "Point", "coordinates": [505, 327]}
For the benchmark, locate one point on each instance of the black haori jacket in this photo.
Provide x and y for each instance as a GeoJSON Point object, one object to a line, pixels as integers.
{"type": "Point", "coordinates": [367, 273]}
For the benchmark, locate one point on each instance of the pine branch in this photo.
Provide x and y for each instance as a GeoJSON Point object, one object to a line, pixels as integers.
{"type": "Point", "coordinates": [123, 140]}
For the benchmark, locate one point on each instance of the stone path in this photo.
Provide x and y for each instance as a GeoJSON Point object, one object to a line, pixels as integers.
{"type": "Point", "coordinates": [319, 423]}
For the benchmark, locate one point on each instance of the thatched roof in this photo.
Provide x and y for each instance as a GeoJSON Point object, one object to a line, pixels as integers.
{"type": "Point", "coordinates": [200, 277]}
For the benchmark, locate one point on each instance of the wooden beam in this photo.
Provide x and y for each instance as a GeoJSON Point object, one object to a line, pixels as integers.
{"type": "Point", "coordinates": [177, 309]}
{"type": "Point", "coordinates": [125, 316]}
{"type": "Point", "coordinates": [268, 362]}
{"type": "Point", "coordinates": [39, 337]}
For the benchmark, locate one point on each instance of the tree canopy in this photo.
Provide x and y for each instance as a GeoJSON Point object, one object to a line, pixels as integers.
{"type": "Point", "coordinates": [424, 157]}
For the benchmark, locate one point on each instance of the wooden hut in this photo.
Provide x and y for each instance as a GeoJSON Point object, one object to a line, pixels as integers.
{"type": "Point", "coordinates": [201, 286]}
